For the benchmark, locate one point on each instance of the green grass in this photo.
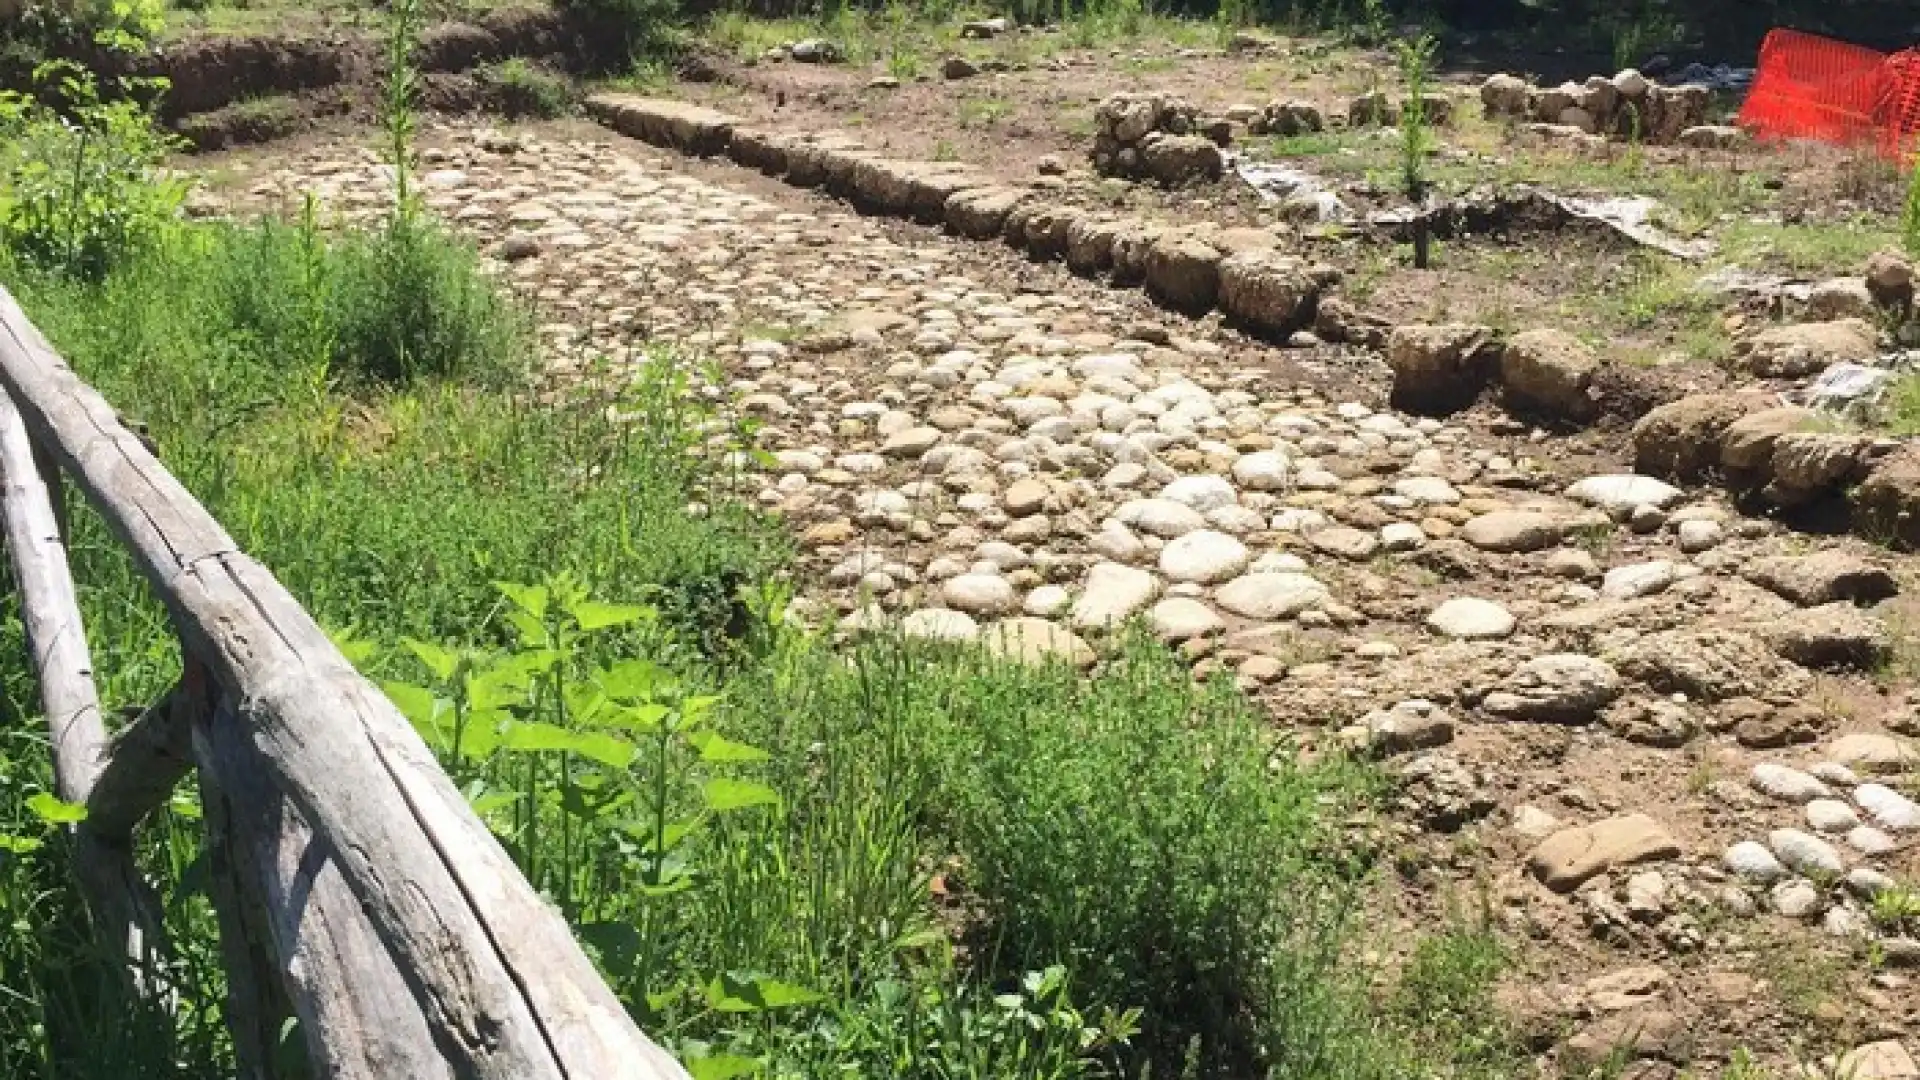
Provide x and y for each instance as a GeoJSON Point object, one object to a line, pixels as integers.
{"type": "Point", "coordinates": [1314, 144]}
{"type": "Point", "coordinates": [1446, 989]}
{"type": "Point", "coordinates": [864, 36]}
{"type": "Point", "coordinates": [246, 17]}
{"type": "Point", "coordinates": [386, 508]}
{"type": "Point", "coordinates": [1148, 65]}
{"type": "Point", "coordinates": [1839, 247]}
{"type": "Point", "coordinates": [522, 88]}
{"type": "Point", "coordinates": [749, 37]}
{"type": "Point", "coordinates": [1903, 408]}
{"type": "Point", "coordinates": [274, 112]}
{"type": "Point", "coordinates": [1651, 288]}
{"type": "Point", "coordinates": [1910, 213]}
{"type": "Point", "coordinates": [983, 111]}
{"type": "Point", "coordinates": [1804, 981]}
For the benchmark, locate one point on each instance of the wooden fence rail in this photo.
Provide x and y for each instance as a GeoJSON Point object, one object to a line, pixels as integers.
{"type": "Point", "coordinates": [355, 888]}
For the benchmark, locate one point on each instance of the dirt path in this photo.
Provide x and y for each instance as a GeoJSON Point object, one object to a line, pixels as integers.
{"type": "Point", "coordinates": [1590, 687]}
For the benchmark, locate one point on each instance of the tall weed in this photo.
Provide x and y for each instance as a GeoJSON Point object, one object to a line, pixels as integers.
{"type": "Point", "coordinates": [81, 189]}
{"type": "Point", "coordinates": [1910, 213]}
{"type": "Point", "coordinates": [1146, 833]}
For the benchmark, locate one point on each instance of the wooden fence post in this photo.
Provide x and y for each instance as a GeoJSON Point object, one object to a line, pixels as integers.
{"type": "Point", "coordinates": [125, 910]}
{"type": "Point", "coordinates": [373, 890]}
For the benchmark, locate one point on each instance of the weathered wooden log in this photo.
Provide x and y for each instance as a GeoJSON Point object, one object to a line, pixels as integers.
{"type": "Point", "coordinates": [256, 1008]}
{"type": "Point", "coordinates": [51, 612]}
{"type": "Point", "coordinates": [354, 1007]}
{"type": "Point", "coordinates": [145, 761]}
{"type": "Point", "coordinates": [493, 970]}
{"type": "Point", "coordinates": [125, 909]}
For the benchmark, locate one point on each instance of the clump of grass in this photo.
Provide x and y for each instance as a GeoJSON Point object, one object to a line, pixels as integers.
{"type": "Point", "coordinates": [1804, 980]}
{"type": "Point", "coordinates": [1102, 21]}
{"type": "Point", "coordinates": [1910, 212]}
{"type": "Point", "coordinates": [1313, 144]}
{"type": "Point", "coordinates": [1652, 288]}
{"type": "Point", "coordinates": [254, 120]}
{"type": "Point", "coordinates": [1864, 176]}
{"type": "Point", "coordinates": [1837, 247]}
{"type": "Point", "coordinates": [904, 60]}
{"type": "Point", "coordinates": [1145, 832]}
{"type": "Point", "coordinates": [80, 187]}
{"type": "Point", "coordinates": [984, 111]}
{"type": "Point", "coordinates": [1896, 907]}
{"type": "Point", "coordinates": [1903, 406]}
{"type": "Point", "coordinates": [1446, 995]}
{"type": "Point", "coordinates": [383, 306]}
{"type": "Point", "coordinates": [521, 88]}
{"type": "Point", "coordinates": [904, 63]}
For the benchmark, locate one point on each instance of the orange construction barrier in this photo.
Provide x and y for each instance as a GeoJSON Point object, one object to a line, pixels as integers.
{"type": "Point", "coordinates": [1900, 106]}
{"type": "Point", "coordinates": [1810, 87]}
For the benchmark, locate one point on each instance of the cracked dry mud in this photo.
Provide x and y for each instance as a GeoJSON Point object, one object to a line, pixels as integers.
{"type": "Point", "coordinates": [1671, 746]}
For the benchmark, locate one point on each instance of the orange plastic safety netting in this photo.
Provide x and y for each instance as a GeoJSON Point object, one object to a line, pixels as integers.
{"type": "Point", "coordinates": [1900, 105]}
{"type": "Point", "coordinates": [1810, 87]}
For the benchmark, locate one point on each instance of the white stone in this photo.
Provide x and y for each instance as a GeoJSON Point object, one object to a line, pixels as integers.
{"type": "Point", "coordinates": [1868, 840]}
{"type": "Point", "coordinates": [1278, 562]}
{"type": "Point", "coordinates": [1180, 618]}
{"type": "Point", "coordinates": [1428, 490]}
{"type": "Point", "coordinates": [1835, 773]}
{"type": "Point", "coordinates": [1127, 474]}
{"type": "Point", "coordinates": [1117, 543]}
{"type": "Point", "coordinates": [854, 567]}
{"type": "Point", "coordinates": [1888, 808]}
{"type": "Point", "coordinates": [1846, 922]}
{"type": "Point", "coordinates": [1402, 536]}
{"type": "Point", "coordinates": [1534, 823]}
{"type": "Point", "coordinates": [1002, 555]}
{"type": "Point", "coordinates": [1698, 536]}
{"type": "Point", "coordinates": [1111, 594]}
{"type": "Point", "coordinates": [1037, 641]}
{"type": "Point", "coordinates": [1787, 784]}
{"type": "Point", "coordinates": [1272, 595]}
{"type": "Point", "coordinates": [1047, 601]}
{"type": "Point", "coordinates": [1752, 861]}
{"type": "Point", "coordinates": [1797, 899]}
{"type": "Point", "coordinates": [1622, 492]}
{"type": "Point", "coordinates": [1831, 816]}
{"type": "Point", "coordinates": [1162, 517]}
{"type": "Point", "coordinates": [1868, 883]}
{"type": "Point", "coordinates": [1471, 618]}
{"type": "Point", "coordinates": [936, 624]}
{"type": "Point", "coordinates": [1029, 410]}
{"type": "Point", "coordinates": [1264, 470]}
{"type": "Point", "coordinates": [1296, 519]}
{"type": "Point", "coordinates": [911, 442]}
{"type": "Point", "coordinates": [1204, 556]}
{"type": "Point", "coordinates": [1202, 493]}
{"type": "Point", "coordinates": [1639, 579]}
{"type": "Point", "coordinates": [1236, 520]}
{"type": "Point", "coordinates": [1805, 854]}
{"type": "Point", "coordinates": [804, 462]}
